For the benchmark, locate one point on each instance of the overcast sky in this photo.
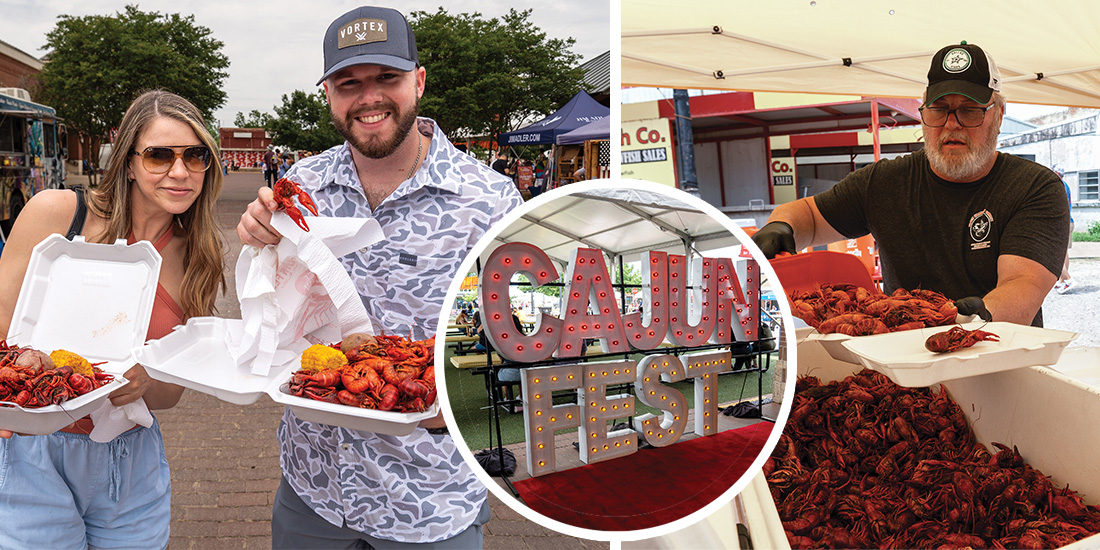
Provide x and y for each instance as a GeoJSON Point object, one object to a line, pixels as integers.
{"type": "Point", "coordinates": [274, 46]}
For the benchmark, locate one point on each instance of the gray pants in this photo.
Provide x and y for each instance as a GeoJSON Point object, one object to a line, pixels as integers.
{"type": "Point", "coordinates": [295, 525]}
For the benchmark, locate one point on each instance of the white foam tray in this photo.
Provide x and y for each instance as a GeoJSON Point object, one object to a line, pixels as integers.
{"type": "Point", "coordinates": [834, 342]}
{"type": "Point", "coordinates": [367, 420]}
{"type": "Point", "coordinates": [88, 298]}
{"type": "Point", "coordinates": [903, 358]}
{"type": "Point", "coordinates": [196, 356]}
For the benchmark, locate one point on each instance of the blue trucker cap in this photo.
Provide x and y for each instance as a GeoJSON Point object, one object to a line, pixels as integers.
{"type": "Point", "coordinates": [369, 35]}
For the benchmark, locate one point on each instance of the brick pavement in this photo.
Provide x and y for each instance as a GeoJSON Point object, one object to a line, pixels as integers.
{"type": "Point", "coordinates": [224, 458]}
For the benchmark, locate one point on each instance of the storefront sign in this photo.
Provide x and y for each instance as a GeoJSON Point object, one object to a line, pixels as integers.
{"type": "Point", "coordinates": [784, 179]}
{"type": "Point", "coordinates": [714, 300]}
{"type": "Point", "coordinates": [647, 151]}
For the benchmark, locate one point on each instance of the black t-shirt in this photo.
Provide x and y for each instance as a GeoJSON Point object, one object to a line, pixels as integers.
{"type": "Point", "coordinates": [943, 236]}
{"type": "Point", "coordinates": [500, 165]}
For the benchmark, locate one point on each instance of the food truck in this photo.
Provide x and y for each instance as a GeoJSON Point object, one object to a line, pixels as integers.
{"type": "Point", "coordinates": [31, 153]}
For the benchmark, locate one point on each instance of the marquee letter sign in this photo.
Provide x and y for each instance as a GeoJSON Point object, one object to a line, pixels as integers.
{"type": "Point", "coordinates": [587, 284]}
{"type": "Point", "coordinates": [715, 300]}
{"type": "Point", "coordinates": [647, 328]}
{"type": "Point", "coordinates": [496, 304]}
{"type": "Point", "coordinates": [541, 417]}
{"type": "Point", "coordinates": [692, 306]}
{"type": "Point", "coordinates": [596, 444]}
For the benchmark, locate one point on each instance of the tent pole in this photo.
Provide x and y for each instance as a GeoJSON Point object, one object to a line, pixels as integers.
{"type": "Point", "coordinates": [622, 289]}
{"type": "Point", "coordinates": [685, 142]}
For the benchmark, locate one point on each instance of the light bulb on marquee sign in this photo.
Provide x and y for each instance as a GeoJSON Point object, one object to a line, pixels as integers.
{"type": "Point", "coordinates": [712, 301]}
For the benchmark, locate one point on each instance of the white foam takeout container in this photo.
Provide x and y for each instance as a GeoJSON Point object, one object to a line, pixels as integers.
{"type": "Point", "coordinates": [196, 355]}
{"type": "Point", "coordinates": [91, 299]}
{"type": "Point", "coordinates": [833, 343]}
{"type": "Point", "coordinates": [902, 357]}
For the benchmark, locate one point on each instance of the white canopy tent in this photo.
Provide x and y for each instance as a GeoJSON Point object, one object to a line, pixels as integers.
{"type": "Point", "coordinates": [1048, 52]}
{"type": "Point", "coordinates": [621, 222]}
{"type": "Point", "coordinates": [624, 224]}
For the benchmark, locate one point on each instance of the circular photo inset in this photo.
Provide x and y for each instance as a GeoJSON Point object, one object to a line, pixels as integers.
{"type": "Point", "coordinates": [615, 359]}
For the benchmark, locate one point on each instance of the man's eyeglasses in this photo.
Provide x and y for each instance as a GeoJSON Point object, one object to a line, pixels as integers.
{"type": "Point", "coordinates": [158, 160]}
{"type": "Point", "coordinates": [968, 117]}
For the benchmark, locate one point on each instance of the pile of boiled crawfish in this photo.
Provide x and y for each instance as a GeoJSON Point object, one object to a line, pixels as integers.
{"type": "Point", "coordinates": [383, 372]}
{"type": "Point", "coordinates": [858, 311]}
{"type": "Point", "coordinates": [865, 463]}
{"type": "Point", "coordinates": [28, 378]}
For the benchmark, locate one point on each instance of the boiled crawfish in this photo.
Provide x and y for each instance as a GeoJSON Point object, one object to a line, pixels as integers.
{"type": "Point", "coordinates": [865, 463]}
{"type": "Point", "coordinates": [37, 386]}
{"type": "Point", "coordinates": [383, 373]}
{"type": "Point", "coordinates": [285, 192]}
{"type": "Point", "coordinates": [858, 311]}
{"type": "Point", "coordinates": [957, 338]}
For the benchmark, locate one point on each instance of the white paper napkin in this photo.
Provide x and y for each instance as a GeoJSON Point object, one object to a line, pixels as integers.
{"type": "Point", "coordinates": [111, 421]}
{"type": "Point", "coordinates": [299, 289]}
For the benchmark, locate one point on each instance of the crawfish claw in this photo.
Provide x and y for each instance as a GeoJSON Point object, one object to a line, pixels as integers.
{"type": "Point", "coordinates": [285, 192]}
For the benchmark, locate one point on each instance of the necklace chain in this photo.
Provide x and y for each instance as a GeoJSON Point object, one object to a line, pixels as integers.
{"type": "Point", "coordinates": [419, 150]}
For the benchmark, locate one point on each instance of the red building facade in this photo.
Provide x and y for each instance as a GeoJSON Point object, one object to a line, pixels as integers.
{"type": "Point", "coordinates": [244, 147]}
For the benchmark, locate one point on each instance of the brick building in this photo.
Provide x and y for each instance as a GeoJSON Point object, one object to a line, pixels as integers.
{"type": "Point", "coordinates": [244, 147]}
{"type": "Point", "coordinates": [18, 69]}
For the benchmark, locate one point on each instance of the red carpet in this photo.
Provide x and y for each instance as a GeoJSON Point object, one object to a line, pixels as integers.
{"type": "Point", "coordinates": [651, 487]}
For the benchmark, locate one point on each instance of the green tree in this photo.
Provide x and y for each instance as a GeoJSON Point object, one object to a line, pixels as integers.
{"type": "Point", "coordinates": [97, 65]}
{"type": "Point", "coordinates": [487, 76]}
{"type": "Point", "coordinates": [303, 123]}
{"type": "Point", "coordinates": [255, 119]}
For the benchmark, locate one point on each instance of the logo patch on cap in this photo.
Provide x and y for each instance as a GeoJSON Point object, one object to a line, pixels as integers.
{"type": "Point", "coordinates": [956, 60]}
{"type": "Point", "coordinates": [361, 31]}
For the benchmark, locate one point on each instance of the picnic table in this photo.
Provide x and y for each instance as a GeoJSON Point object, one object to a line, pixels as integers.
{"type": "Point", "coordinates": [462, 344]}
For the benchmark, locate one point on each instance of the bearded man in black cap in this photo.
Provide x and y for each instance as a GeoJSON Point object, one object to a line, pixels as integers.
{"type": "Point", "coordinates": [986, 229]}
{"type": "Point", "coordinates": [344, 488]}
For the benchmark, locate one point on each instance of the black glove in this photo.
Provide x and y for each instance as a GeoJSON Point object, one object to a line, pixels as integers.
{"type": "Point", "coordinates": [972, 305]}
{"type": "Point", "coordinates": [773, 238]}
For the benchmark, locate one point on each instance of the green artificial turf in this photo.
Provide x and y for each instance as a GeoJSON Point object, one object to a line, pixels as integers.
{"type": "Point", "coordinates": [471, 406]}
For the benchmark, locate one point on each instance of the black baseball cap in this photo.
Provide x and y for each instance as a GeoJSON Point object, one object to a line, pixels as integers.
{"type": "Point", "coordinates": [963, 69]}
{"type": "Point", "coordinates": [369, 35]}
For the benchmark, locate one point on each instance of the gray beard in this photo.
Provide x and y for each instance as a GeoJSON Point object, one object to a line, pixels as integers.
{"type": "Point", "coordinates": [964, 168]}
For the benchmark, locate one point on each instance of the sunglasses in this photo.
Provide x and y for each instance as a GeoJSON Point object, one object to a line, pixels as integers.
{"type": "Point", "coordinates": [158, 160]}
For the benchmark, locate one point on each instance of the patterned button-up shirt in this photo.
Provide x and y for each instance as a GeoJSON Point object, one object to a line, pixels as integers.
{"type": "Point", "coordinates": [413, 488]}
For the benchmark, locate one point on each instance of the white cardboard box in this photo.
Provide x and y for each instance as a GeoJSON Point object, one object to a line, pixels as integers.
{"type": "Point", "coordinates": [1044, 413]}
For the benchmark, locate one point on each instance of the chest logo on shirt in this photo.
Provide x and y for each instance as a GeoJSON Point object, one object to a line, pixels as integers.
{"type": "Point", "coordinates": [407, 259]}
{"type": "Point", "coordinates": [980, 227]}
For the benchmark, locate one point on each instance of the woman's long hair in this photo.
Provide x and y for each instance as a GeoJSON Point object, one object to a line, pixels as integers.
{"type": "Point", "coordinates": [203, 273]}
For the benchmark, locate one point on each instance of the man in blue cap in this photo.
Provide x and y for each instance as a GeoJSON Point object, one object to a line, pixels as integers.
{"type": "Point", "coordinates": [348, 489]}
{"type": "Point", "coordinates": [986, 229]}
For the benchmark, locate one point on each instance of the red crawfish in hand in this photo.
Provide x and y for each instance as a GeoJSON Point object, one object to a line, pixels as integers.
{"type": "Point", "coordinates": [957, 338]}
{"type": "Point", "coordinates": [285, 191]}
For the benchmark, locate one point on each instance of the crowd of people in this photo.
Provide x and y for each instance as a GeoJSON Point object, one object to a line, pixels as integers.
{"type": "Point", "coordinates": [528, 175]}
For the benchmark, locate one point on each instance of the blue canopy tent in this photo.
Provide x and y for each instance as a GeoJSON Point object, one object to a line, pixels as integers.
{"type": "Point", "coordinates": [599, 129]}
{"type": "Point", "coordinates": [580, 110]}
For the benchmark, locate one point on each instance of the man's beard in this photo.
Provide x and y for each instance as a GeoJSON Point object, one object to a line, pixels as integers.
{"type": "Point", "coordinates": [963, 167]}
{"type": "Point", "coordinates": [376, 147]}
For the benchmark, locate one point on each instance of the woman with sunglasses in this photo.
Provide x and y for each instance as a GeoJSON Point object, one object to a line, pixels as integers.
{"type": "Point", "coordinates": [64, 490]}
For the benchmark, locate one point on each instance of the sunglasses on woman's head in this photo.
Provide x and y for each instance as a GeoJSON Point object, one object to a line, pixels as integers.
{"type": "Point", "coordinates": [159, 159]}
